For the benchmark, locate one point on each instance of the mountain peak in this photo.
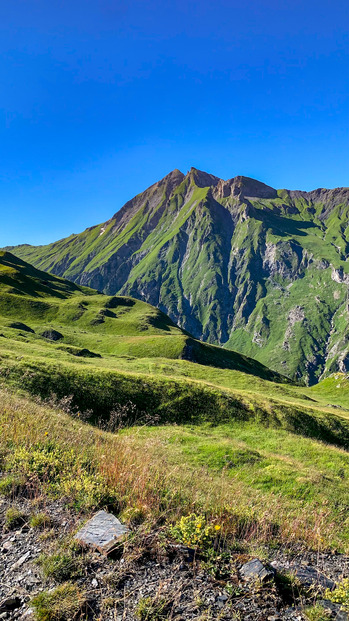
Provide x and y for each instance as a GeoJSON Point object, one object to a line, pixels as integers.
{"type": "Point", "coordinates": [202, 179]}
{"type": "Point", "coordinates": [245, 187]}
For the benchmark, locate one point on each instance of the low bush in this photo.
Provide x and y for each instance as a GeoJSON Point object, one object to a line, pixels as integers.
{"type": "Point", "coordinates": [340, 595]}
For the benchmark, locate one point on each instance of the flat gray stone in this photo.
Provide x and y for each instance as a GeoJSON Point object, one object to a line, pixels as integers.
{"type": "Point", "coordinates": [308, 576]}
{"type": "Point", "coordinates": [335, 609]}
{"type": "Point", "coordinates": [102, 532]}
{"type": "Point", "coordinates": [255, 570]}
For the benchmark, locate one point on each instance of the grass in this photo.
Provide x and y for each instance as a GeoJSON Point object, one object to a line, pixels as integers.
{"type": "Point", "coordinates": [40, 521]}
{"type": "Point", "coordinates": [266, 460]}
{"type": "Point", "coordinates": [14, 518]}
{"type": "Point", "coordinates": [153, 608]}
{"type": "Point", "coordinates": [63, 603]}
{"type": "Point", "coordinates": [61, 566]}
{"type": "Point", "coordinates": [165, 473]}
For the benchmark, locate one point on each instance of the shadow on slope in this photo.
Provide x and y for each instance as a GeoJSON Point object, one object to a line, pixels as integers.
{"type": "Point", "coordinates": [21, 278]}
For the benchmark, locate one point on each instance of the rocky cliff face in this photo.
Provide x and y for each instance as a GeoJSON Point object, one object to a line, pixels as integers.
{"type": "Point", "coordinates": [235, 262]}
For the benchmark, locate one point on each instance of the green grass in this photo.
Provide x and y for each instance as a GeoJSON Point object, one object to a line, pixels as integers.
{"type": "Point", "coordinates": [14, 518]}
{"type": "Point", "coordinates": [63, 603]}
{"type": "Point", "coordinates": [260, 484]}
{"type": "Point", "coordinates": [61, 566]}
{"type": "Point", "coordinates": [265, 459]}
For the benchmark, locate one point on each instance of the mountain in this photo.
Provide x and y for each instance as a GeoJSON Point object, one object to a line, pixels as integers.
{"type": "Point", "coordinates": [236, 263]}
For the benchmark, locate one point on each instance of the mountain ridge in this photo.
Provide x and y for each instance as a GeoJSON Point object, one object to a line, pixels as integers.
{"type": "Point", "coordinates": [235, 262]}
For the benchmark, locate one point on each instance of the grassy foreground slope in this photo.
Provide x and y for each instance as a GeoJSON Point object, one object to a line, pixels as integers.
{"type": "Point", "coordinates": [262, 485]}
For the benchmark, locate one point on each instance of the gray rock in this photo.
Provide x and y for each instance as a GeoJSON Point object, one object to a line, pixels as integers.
{"type": "Point", "coordinates": [52, 335]}
{"type": "Point", "coordinates": [21, 561]}
{"type": "Point", "coordinates": [255, 570]}
{"type": "Point", "coordinates": [307, 575]}
{"type": "Point", "coordinates": [102, 532]}
{"type": "Point", "coordinates": [334, 609]}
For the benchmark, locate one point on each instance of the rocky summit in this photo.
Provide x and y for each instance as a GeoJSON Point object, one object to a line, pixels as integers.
{"type": "Point", "coordinates": [236, 263]}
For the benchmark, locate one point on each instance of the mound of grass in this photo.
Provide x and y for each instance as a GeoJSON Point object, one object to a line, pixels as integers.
{"type": "Point", "coordinates": [40, 521]}
{"type": "Point", "coordinates": [61, 566]}
{"type": "Point", "coordinates": [153, 608]}
{"type": "Point", "coordinates": [63, 603]}
{"type": "Point", "coordinates": [98, 393]}
{"type": "Point", "coordinates": [14, 518]}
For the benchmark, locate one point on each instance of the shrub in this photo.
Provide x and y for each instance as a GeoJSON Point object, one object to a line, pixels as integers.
{"type": "Point", "coordinates": [62, 474]}
{"type": "Point", "coordinates": [194, 531]}
{"type": "Point", "coordinates": [340, 595]}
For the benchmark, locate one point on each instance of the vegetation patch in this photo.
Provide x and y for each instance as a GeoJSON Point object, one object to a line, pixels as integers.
{"type": "Point", "coordinates": [62, 565]}
{"type": "Point", "coordinates": [40, 521]}
{"type": "Point", "coordinates": [14, 518]}
{"type": "Point", "coordinates": [340, 595]}
{"type": "Point", "coordinates": [60, 474]}
{"type": "Point", "coordinates": [153, 608]}
{"type": "Point", "coordinates": [296, 491]}
{"type": "Point", "coordinates": [64, 603]}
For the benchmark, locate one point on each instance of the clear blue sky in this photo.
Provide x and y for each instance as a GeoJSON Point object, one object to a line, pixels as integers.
{"type": "Point", "coordinates": [101, 98]}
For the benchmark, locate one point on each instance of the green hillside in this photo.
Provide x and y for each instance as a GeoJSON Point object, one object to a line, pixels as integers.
{"type": "Point", "coordinates": [58, 339]}
{"type": "Point", "coordinates": [237, 263]}
{"type": "Point", "coordinates": [198, 427]}
{"type": "Point", "coordinates": [34, 303]}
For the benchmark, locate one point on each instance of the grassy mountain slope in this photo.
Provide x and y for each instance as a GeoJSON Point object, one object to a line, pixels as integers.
{"type": "Point", "coordinates": [59, 340]}
{"type": "Point", "coordinates": [265, 459]}
{"type": "Point", "coordinates": [259, 270]}
{"type": "Point", "coordinates": [34, 302]}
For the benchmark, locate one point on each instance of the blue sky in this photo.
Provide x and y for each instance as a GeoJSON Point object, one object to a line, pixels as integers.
{"type": "Point", "coordinates": [101, 98]}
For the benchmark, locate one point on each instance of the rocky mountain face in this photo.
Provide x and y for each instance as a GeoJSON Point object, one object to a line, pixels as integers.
{"type": "Point", "coordinates": [235, 262]}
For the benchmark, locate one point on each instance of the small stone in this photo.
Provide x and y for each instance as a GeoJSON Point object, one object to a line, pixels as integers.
{"type": "Point", "coordinates": [94, 583]}
{"type": "Point", "coordinates": [255, 570]}
{"type": "Point", "coordinates": [342, 615]}
{"type": "Point", "coordinates": [102, 532]}
{"type": "Point", "coordinates": [20, 561]}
